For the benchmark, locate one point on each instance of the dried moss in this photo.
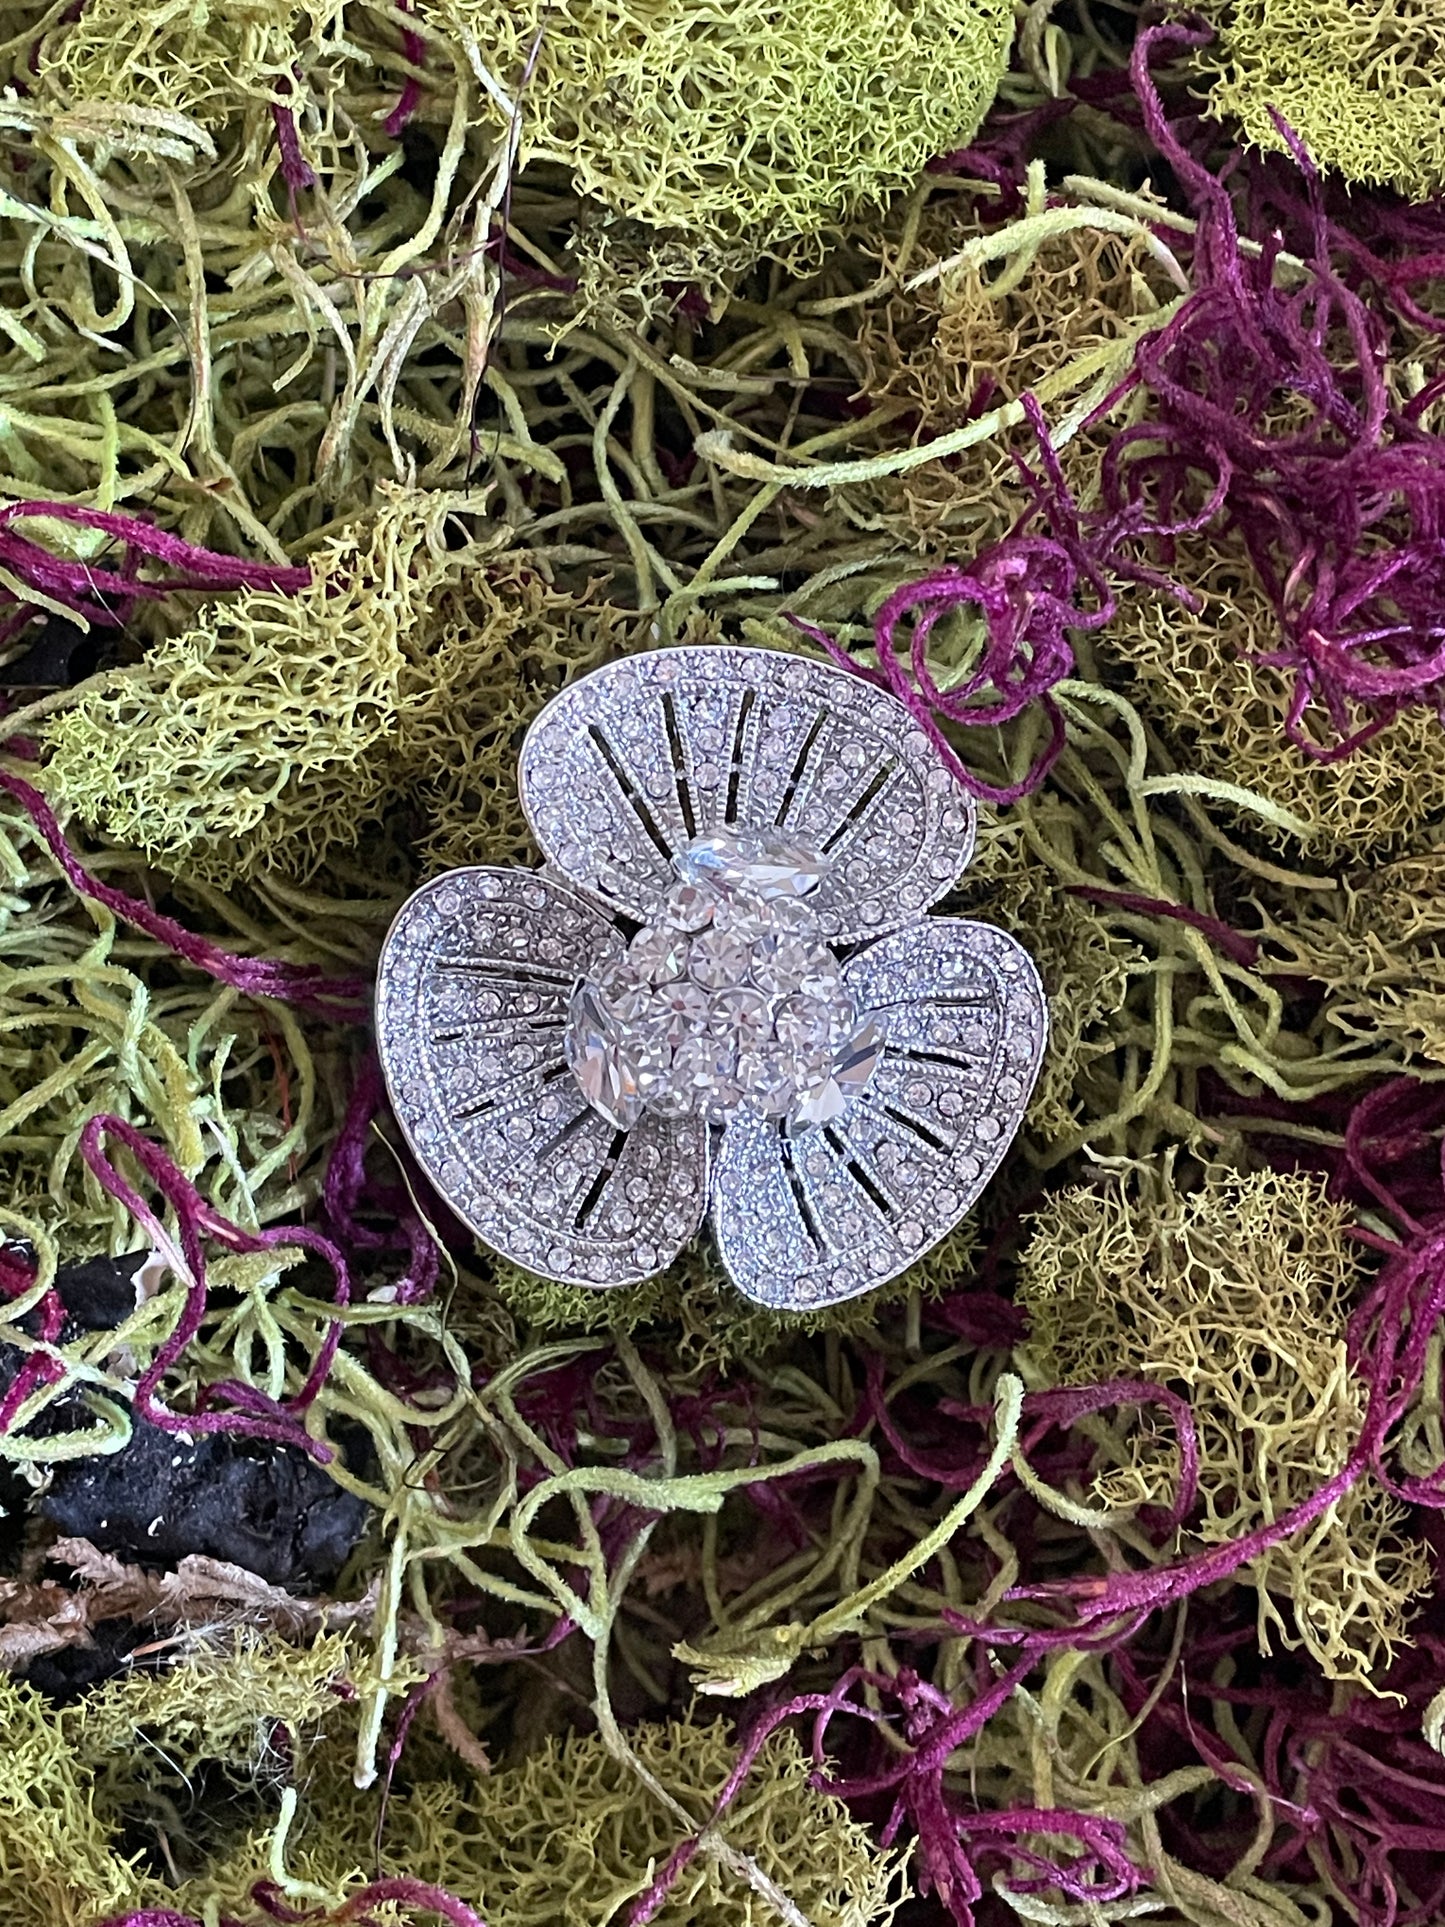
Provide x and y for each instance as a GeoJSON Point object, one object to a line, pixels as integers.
{"type": "Point", "coordinates": [1362, 86]}
{"type": "Point", "coordinates": [1378, 945]}
{"type": "Point", "coordinates": [973, 336]}
{"type": "Point", "coordinates": [57, 1860]}
{"type": "Point", "coordinates": [196, 57]}
{"type": "Point", "coordinates": [712, 1324]}
{"type": "Point", "coordinates": [1202, 684]}
{"type": "Point", "coordinates": [731, 121]}
{"type": "Point", "coordinates": [1235, 1295]}
{"type": "Point", "coordinates": [572, 1836]}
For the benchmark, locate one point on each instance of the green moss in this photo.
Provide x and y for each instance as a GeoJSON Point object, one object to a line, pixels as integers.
{"type": "Point", "coordinates": [572, 1837]}
{"type": "Point", "coordinates": [259, 739]}
{"type": "Point", "coordinates": [1362, 85]}
{"type": "Point", "coordinates": [196, 57]}
{"type": "Point", "coordinates": [727, 121]}
{"type": "Point", "coordinates": [58, 1865]}
{"type": "Point", "coordinates": [1236, 1295]}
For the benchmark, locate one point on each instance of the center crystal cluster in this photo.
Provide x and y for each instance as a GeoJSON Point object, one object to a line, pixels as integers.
{"type": "Point", "coordinates": [729, 999]}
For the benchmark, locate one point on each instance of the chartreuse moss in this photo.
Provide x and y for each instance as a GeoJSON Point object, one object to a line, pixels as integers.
{"type": "Point", "coordinates": [734, 126]}
{"type": "Point", "coordinates": [1362, 86]}
{"type": "Point", "coordinates": [1235, 1293]}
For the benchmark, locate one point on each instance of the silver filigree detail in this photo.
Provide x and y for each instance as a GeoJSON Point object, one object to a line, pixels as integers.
{"type": "Point", "coordinates": [961, 1012]}
{"type": "Point", "coordinates": [569, 1080]}
{"type": "Point", "coordinates": [621, 772]}
{"type": "Point", "coordinates": [471, 1007]}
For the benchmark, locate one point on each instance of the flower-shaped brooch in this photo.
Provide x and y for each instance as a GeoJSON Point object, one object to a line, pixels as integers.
{"type": "Point", "coordinates": [721, 993]}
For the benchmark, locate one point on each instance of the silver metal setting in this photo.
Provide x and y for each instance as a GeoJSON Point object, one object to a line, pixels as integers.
{"type": "Point", "coordinates": [625, 777]}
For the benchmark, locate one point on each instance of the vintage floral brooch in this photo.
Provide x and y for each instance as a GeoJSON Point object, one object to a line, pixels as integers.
{"type": "Point", "coordinates": [721, 993]}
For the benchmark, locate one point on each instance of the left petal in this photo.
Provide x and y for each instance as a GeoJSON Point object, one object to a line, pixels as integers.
{"type": "Point", "coordinates": [808, 1221]}
{"type": "Point", "coordinates": [471, 1005]}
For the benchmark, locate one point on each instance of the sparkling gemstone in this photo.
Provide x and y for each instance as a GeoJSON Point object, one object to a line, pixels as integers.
{"type": "Point", "coordinates": [719, 959]}
{"type": "Point", "coordinates": [601, 1051]}
{"type": "Point", "coordinates": [658, 954]}
{"type": "Point", "coordinates": [690, 906]}
{"type": "Point", "coordinates": [730, 999]}
{"type": "Point", "coordinates": [759, 863]}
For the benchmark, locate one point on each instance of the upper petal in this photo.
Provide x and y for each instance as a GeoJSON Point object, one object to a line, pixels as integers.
{"type": "Point", "coordinates": [471, 1003]}
{"type": "Point", "coordinates": [623, 769]}
{"type": "Point", "coordinates": [809, 1221]}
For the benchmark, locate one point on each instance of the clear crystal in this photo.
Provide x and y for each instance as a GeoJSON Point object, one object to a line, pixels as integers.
{"type": "Point", "coordinates": [762, 864]}
{"type": "Point", "coordinates": [598, 1047]}
{"type": "Point", "coordinates": [729, 999]}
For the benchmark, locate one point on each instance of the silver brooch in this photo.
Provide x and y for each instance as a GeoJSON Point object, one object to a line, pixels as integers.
{"type": "Point", "coordinates": [721, 992]}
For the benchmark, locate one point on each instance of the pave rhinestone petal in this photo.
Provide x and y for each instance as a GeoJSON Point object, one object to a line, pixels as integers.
{"type": "Point", "coordinates": [471, 1017]}
{"type": "Point", "coordinates": [612, 783]}
{"type": "Point", "coordinates": [946, 1058]}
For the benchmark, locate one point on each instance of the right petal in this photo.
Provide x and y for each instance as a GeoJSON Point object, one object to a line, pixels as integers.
{"type": "Point", "coordinates": [471, 1007]}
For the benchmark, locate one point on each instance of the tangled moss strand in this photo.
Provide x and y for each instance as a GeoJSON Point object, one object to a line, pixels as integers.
{"type": "Point", "coordinates": [1236, 1295]}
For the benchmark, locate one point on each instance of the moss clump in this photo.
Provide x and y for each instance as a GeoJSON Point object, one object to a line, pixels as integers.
{"type": "Point", "coordinates": [572, 1836]}
{"type": "Point", "coordinates": [57, 1861]}
{"type": "Point", "coordinates": [714, 1324]}
{"type": "Point", "coordinates": [1378, 944]}
{"type": "Point", "coordinates": [1202, 683]}
{"type": "Point", "coordinates": [196, 57]}
{"type": "Point", "coordinates": [1235, 1295]}
{"type": "Point", "coordinates": [976, 336]}
{"type": "Point", "coordinates": [728, 122]}
{"type": "Point", "coordinates": [258, 739]}
{"type": "Point", "coordinates": [1362, 86]}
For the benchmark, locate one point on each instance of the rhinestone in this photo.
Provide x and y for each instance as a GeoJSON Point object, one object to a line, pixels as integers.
{"type": "Point", "coordinates": [644, 1257]}
{"type": "Point", "coordinates": [920, 1096]}
{"type": "Point", "coordinates": [986, 1129]}
{"type": "Point", "coordinates": [802, 1024]}
{"type": "Point", "coordinates": [741, 1013]}
{"type": "Point", "coordinates": [718, 959]}
{"type": "Point", "coordinates": [638, 1190]}
{"type": "Point", "coordinates": [603, 1058]}
{"type": "Point", "coordinates": [566, 1171]}
{"type": "Point", "coordinates": [911, 1232]}
{"type": "Point", "coordinates": [534, 896]}
{"type": "Point", "coordinates": [946, 1202]}
{"type": "Point", "coordinates": [658, 954]}
{"type": "Point", "coordinates": [689, 906]}
{"type": "Point", "coordinates": [951, 1104]}
{"type": "Point", "coordinates": [853, 756]}
{"type": "Point", "coordinates": [559, 1258]}
{"type": "Point", "coordinates": [760, 863]}
{"type": "Point", "coordinates": [520, 1129]}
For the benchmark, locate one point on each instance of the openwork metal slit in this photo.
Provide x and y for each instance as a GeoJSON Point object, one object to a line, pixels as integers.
{"type": "Point", "coordinates": [860, 808]}
{"type": "Point", "coordinates": [506, 974]}
{"type": "Point", "coordinates": [920, 1131]}
{"type": "Point", "coordinates": [561, 1139]}
{"type": "Point", "coordinates": [820, 723]}
{"type": "Point", "coordinates": [859, 1175]}
{"type": "Point", "coordinates": [735, 767]}
{"type": "Point", "coordinates": [630, 792]}
{"type": "Point", "coordinates": [958, 1061]}
{"type": "Point", "coordinates": [800, 1195]}
{"type": "Point", "coordinates": [593, 1196]}
{"type": "Point", "coordinates": [679, 765]}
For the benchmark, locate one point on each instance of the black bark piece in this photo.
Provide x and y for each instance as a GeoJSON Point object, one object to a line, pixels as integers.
{"type": "Point", "coordinates": [263, 1506]}
{"type": "Point", "coordinates": [61, 655]}
{"type": "Point", "coordinates": [69, 1673]}
{"type": "Point", "coordinates": [260, 1505]}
